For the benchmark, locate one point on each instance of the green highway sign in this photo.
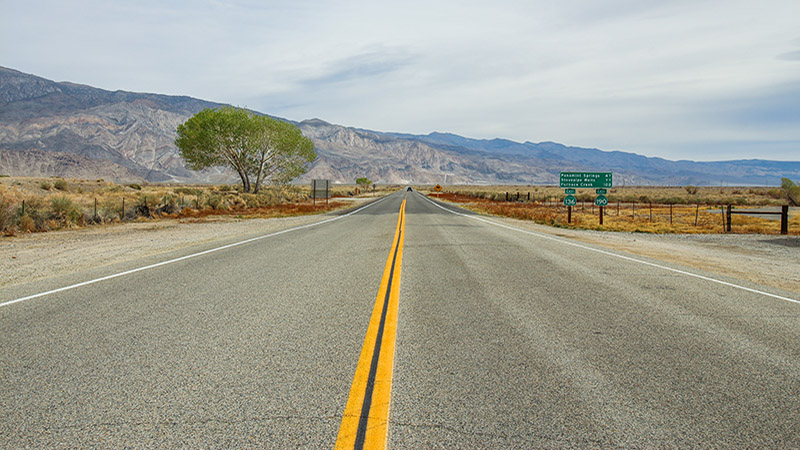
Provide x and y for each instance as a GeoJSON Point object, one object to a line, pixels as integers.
{"type": "Point", "coordinates": [569, 191]}
{"type": "Point", "coordinates": [570, 200]}
{"type": "Point", "coordinates": [601, 191]}
{"type": "Point", "coordinates": [601, 200]}
{"type": "Point", "coordinates": [585, 180]}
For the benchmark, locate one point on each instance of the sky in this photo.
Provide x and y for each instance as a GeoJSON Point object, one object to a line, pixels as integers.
{"type": "Point", "coordinates": [704, 80]}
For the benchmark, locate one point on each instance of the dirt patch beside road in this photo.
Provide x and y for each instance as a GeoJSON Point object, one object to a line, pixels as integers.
{"type": "Point", "coordinates": [35, 256]}
{"type": "Point", "coordinates": [769, 260]}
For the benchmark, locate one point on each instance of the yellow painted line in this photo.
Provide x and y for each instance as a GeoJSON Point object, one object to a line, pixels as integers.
{"type": "Point", "coordinates": [366, 416]}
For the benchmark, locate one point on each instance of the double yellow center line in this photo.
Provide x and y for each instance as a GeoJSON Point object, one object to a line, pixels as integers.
{"type": "Point", "coordinates": [366, 416]}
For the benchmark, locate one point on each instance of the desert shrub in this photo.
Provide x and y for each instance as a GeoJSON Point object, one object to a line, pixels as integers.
{"type": "Point", "coordinates": [188, 191]}
{"type": "Point", "coordinates": [61, 185]}
{"type": "Point", "coordinates": [691, 190]}
{"type": "Point", "coordinates": [214, 201]}
{"type": "Point", "coordinates": [143, 208]}
{"type": "Point", "coordinates": [27, 224]}
{"type": "Point", "coordinates": [733, 201]}
{"type": "Point", "coordinates": [35, 210]}
{"type": "Point", "coordinates": [110, 208]}
{"type": "Point", "coordinates": [65, 211]}
{"type": "Point", "coordinates": [234, 202]}
{"type": "Point", "coordinates": [135, 186]}
{"type": "Point", "coordinates": [45, 185]}
{"type": "Point", "coordinates": [168, 204]}
{"type": "Point", "coordinates": [670, 201]}
{"type": "Point", "coordinates": [775, 193]}
{"type": "Point", "coordinates": [7, 215]}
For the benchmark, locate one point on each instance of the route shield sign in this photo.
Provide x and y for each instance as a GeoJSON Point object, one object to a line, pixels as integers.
{"type": "Point", "coordinates": [585, 180]}
{"type": "Point", "coordinates": [570, 200]}
{"type": "Point", "coordinates": [569, 191]}
{"type": "Point", "coordinates": [601, 200]}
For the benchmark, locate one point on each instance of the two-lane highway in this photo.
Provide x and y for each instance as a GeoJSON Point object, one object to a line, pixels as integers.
{"type": "Point", "coordinates": [510, 339]}
{"type": "Point", "coordinates": [504, 339]}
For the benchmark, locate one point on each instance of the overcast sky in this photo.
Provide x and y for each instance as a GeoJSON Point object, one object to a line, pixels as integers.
{"type": "Point", "coordinates": [679, 79]}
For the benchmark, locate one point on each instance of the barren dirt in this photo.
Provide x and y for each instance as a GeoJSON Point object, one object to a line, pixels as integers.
{"type": "Point", "coordinates": [768, 260]}
{"type": "Point", "coordinates": [35, 256]}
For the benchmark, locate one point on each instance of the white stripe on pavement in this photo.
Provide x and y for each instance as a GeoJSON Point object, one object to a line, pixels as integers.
{"type": "Point", "coordinates": [604, 252]}
{"type": "Point", "coordinates": [205, 252]}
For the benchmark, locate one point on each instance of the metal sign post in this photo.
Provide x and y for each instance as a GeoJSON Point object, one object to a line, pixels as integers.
{"type": "Point", "coordinates": [320, 189]}
{"type": "Point", "coordinates": [600, 181]}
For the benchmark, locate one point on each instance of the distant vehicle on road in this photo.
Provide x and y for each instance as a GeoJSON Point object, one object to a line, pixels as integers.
{"type": "Point", "coordinates": [408, 189]}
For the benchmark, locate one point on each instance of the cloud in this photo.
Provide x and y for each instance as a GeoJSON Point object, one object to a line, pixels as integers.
{"type": "Point", "coordinates": [652, 77]}
{"type": "Point", "coordinates": [359, 68]}
{"type": "Point", "coordinates": [790, 56]}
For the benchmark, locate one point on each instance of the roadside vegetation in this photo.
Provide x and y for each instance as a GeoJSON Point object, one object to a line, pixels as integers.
{"type": "Point", "coordinates": [683, 209]}
{"type": "Point", "coordinates": [44, 204]}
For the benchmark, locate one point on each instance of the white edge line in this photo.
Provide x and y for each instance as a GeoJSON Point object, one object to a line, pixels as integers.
{"type": "Point", "coordinates": [204, 252]}
{"type": "Point", "coordinates": [604, 252]}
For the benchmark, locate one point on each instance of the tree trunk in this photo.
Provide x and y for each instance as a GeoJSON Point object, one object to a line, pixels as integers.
{"type": "Point", "coordinates": [245, 183]}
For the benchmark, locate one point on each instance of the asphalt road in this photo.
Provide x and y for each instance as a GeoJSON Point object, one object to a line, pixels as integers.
{"type": "Point", "coordinates": [505, 339]}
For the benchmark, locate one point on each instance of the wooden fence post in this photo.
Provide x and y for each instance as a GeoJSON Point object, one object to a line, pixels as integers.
{"type": "Point", "coordinates": [785, 219]}
{"type": "Point", "coordinates": [729, 218]}
{"type": "Point", "coordinates": [696, 214]}
{"type": "Point", "coordinates": [722, 210]}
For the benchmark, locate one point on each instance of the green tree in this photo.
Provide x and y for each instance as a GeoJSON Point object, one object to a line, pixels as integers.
{"type": "Point", "coordinates": [791, 190]}
{"type": "Point", "coordinates": [364, 182]}
{"type": "Point", "coordinates": [258, 148]}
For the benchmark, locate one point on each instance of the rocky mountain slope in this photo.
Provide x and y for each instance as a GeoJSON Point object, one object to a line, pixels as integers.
{"type": "Point", "coordinates": [65, 129]}
{"type": "Point", "coordinates": [116, 135]}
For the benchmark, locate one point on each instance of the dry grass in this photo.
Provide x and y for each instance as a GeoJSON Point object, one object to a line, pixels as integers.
{"type": "Point", "coordinates": [687, 195]}
{"type": "Point", "coordinates": [44, 204]}
{"type": "Point", "coordinates": [631, 217]}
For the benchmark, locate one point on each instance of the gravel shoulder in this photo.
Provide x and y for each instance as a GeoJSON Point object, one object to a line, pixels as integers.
{"type": "Point", "coordinates": [768, 260]}
{"type": "Point", "coordinates": [31, 257]}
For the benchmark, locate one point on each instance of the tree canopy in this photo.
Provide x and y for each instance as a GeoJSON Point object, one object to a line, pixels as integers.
{"type": "Point", "coordinates": [791, 190]}
{"type": "Point", "coordinates": [258, 148]}
{"type": "Point", "coordinates": [364, 182]}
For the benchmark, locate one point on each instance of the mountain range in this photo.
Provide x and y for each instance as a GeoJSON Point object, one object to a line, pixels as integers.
{"type": "Point", "coordinates": [65, 129]}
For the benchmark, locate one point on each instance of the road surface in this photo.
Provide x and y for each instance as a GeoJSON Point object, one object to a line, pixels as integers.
{"type": "Point", "coordinates": [497, 338]}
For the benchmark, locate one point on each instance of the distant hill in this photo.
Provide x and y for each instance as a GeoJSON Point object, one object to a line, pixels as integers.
{"type": "Point", "coordinates": [66, 129]}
